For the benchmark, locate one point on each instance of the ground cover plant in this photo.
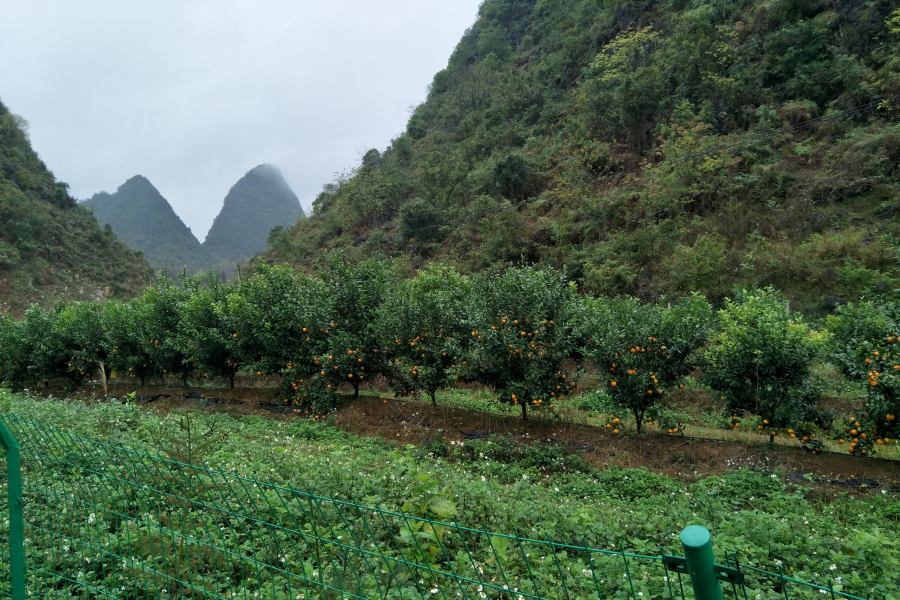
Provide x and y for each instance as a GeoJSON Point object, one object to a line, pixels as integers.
{"type": "Point", "coordinates": [497, 484]}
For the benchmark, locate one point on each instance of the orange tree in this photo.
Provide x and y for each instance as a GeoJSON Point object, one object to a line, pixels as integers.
{"type": "Point", "coordinates": [157, 324]}
{"type": "Point", "coordinates": [643, 350]}
{"type": "Point", "coordinates": [424, 330]}
{"type": "Point", "coordinates": [46, 349]}
{"type": "Point", "coordinates": [522, 332]}
{"type": "Point", "coordinates": [356, 292]}
{"type": "Point", "coordinates": [864, 347]}
{"type": "Point", "coordinates": [14, 353]}
{"type": "Point", "coordinates": [128, 354]}
{"type": "Point", "coordinates": [80, 327]}
{"type": "Point", "coordinates": [760, 359]}
{"type": "Point", "coordinates": [203, 335]}
{"type": "Point", "coordinates": [279, 323]}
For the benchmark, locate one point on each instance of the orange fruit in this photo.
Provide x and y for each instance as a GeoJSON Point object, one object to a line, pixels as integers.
{"type": "Point", "coordinates": [840, 441]}
{"type": "Point", "coordinates": [616, 431]}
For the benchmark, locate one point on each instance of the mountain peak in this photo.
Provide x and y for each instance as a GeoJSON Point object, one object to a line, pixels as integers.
{"type": "Point", "coordinates": [258, 202]}
{"type": "Point", "coordinates": [144, 220]}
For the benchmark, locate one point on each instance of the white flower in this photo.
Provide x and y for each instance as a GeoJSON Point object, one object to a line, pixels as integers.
{"type": "Point", "coordinates": [91, 518]}
{"type": "Point", "coordinates": [434, 590]}
{"type": "Point", "coordinates": [832, 567]}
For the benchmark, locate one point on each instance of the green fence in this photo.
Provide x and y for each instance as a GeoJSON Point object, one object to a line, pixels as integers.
{"type": "Point", "coordinates": [90, 520]}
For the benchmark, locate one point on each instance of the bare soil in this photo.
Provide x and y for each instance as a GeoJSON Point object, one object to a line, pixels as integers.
{"type": "Point", "coordinates": [406, 422]}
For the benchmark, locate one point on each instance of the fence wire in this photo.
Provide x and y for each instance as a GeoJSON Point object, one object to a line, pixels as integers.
{"type": "Point", "coordinates": [105, 521]}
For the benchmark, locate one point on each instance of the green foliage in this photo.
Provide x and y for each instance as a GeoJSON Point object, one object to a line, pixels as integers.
{"type": "Point", "coordinates": [357, 292]}
{"type": "Point", "coordinates": [203, 332]}
{"type": "Point", "coordinates": [523, 331]}
{"type": "Point", "coordinates": [158, 325]}
{"type": "Point", "coordinates": [80, 325]}
{"type": "Point", "coordinates": [643, 350]}
{"type": "Point", "coordinates": [760, 359]}
{"type": "Point", "coordinates": [49, 246]}
{"type": "Point", "coordinates": [646, 149]}
{"type": "Point", "coordinates": [757, 513]}
{"type": "Point", "coordinates": [424, 330]}
{"type": "Point", "coordinates": [866, 347]}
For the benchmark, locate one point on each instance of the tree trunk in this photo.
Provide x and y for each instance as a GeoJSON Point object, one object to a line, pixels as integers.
{"type": "Point", "coordinates": [355, 388]}
{"type": "Point", "coordinates": [524, 412]}
{"type": "Point", "coordinates": [433, 399]}
{"type": "Point", "coordinates": [638, 418]}
{"type": "Point", "coordinates": [232, 378]}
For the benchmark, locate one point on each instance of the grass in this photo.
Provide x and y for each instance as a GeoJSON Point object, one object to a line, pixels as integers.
{"type": "Point", "coordinates": [506, 487]}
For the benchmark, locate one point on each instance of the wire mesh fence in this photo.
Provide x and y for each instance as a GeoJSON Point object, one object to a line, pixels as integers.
{"type": "Point", "coordinates": [105, 521]}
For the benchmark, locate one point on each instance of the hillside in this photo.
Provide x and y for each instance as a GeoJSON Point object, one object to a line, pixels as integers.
{"type": "Point", "coordinates": [144, 220]}
{"type": "Point", "coordinates": [260, 201]}
{"type": "Point", "coordinates": [646, 148]}
{"type": "Point", "coordinates": [50, 246]}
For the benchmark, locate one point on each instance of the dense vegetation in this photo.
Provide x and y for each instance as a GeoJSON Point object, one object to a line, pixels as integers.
{"type": "Point", "coordinates": [645, 148]}
{"type": "Point", "coordinates": [140, 217]}
{"type": "Point", "coordinates": [260, 201]}
{"type": "Point", "coordinates": [524, 333]}
{"type": "Point", "coordinates": [497, 484]}
{"type": "Point", "coordinates": [49, 246]}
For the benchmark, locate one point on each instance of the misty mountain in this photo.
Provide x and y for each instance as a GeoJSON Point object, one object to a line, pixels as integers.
{"type": "Point", "coordinates": [144, 220]}
{"type": "Point", "coordinates": [258, 202]}
{"type": "Point", "coordinates": [50, 246]}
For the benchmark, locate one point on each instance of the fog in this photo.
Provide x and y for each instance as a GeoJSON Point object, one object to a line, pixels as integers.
{"type": "Point", "coordinates": [194, 94]}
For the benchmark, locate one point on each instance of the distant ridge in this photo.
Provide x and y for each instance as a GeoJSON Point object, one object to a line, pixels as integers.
{"type": "Point", "coordinates": [145, 221]}
{"type": "Point", "coordinates": [258, 202]}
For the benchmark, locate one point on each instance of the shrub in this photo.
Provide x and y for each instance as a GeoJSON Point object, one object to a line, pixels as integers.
{"type": "Point", "coordinates": [760, 358]}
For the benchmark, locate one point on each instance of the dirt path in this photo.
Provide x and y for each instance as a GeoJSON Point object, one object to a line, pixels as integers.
{"type": "Point", "coordinates": [414, 422]}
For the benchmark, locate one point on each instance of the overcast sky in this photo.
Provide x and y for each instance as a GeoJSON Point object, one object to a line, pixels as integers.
{"type": "Point", "coordinates": [194, 93]}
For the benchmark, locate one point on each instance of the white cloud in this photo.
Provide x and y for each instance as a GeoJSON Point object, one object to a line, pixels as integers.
{"type": "Point", "coordinates": [194, 94]}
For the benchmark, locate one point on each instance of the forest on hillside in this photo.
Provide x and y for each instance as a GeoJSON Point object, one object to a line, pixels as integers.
{"type": "Point", "coordinates": [645, 148]}
{"type": "Point", "coordinates": [49, 246]}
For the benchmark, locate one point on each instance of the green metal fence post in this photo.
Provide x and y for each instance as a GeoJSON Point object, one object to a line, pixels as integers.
{"type": "Point", "coordinates": [16, 522]}
{"type": "Point", "coordinates": [700, 563]}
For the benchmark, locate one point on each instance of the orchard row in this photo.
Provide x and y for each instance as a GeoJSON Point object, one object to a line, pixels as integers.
{"type": "Point", "coordinates": [525, 333]}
